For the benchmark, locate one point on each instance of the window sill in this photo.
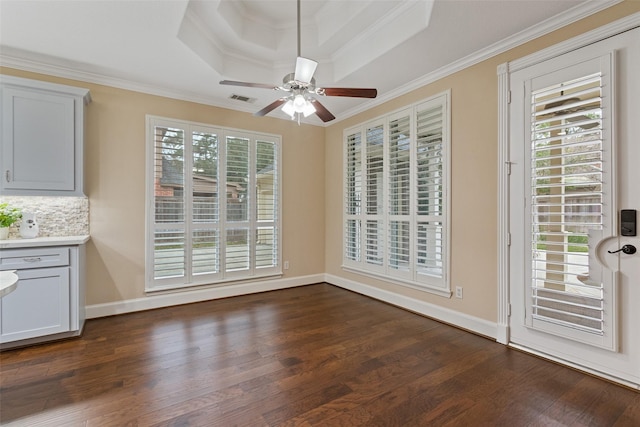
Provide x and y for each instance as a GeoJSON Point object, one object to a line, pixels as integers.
{"type": "Point", "coordinates": [205, 284]}
{"type": "Point", "coordinates": [442, 292]}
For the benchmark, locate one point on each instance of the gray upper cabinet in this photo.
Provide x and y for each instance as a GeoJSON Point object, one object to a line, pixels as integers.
{"type": "Point", "coordinates": [42, 137]}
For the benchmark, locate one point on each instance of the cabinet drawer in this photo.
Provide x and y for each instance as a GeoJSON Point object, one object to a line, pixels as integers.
{"type": "Point", "coordinates": [21, 259]}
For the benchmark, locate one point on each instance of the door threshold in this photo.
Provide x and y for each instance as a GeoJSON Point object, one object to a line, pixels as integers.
{"type": "Point", "coordinates": [575, 366]}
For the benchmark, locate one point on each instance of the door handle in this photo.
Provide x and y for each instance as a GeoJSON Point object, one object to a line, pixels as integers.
{"type": "Point", "coordinates": [627, 249]}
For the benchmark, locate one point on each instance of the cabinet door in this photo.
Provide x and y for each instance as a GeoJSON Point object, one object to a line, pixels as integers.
{"type": "Point", "coordinates": [39, 305]}
{"type": "Point", "coordinates": [38, 139]}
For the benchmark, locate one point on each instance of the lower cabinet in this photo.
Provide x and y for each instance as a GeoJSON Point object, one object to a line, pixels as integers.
{"type": "Point", "coordinates": [48, 302]}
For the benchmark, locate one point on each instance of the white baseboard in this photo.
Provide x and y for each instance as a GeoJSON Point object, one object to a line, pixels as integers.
{"type": "Point", "coordinates": [197, 295]}
{"type": "Point", "coordinates": [503, 334]}
{"type": "Point", "coordinates": [455, 318]}
{"type": "Point", "coordinates": [461, 320]}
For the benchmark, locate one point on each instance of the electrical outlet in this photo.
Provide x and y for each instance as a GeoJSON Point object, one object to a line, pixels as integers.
{"type": "Point", "coordinates": [459, 292]}
{"type": "Point", "coordinates": [286, 265]}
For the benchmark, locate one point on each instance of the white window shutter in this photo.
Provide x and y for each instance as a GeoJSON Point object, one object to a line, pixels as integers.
{"type": "Point", "coordinates": [396, 196]}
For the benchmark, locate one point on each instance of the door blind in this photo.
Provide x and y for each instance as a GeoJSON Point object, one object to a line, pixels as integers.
{"type": "Point", "coordinates": [567, 203]}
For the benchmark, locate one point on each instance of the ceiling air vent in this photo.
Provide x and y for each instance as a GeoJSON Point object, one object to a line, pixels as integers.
{"type": "Point", "coordinates": [242, 98]}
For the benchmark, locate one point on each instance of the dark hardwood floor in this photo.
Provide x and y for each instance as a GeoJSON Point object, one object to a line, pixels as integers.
{"type": "Point", "coordinates": [310, 356]}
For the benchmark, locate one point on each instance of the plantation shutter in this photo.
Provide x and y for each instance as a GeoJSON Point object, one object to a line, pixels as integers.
{"type": "Point", "coordinates": [237, 239]}
{"type": "Point", "coordinates": [267, 244]}
{"type": "Point", "coordinates": [353, 195]}
{"type": "Point", "coordinates": [374, 196]}
{"type": "Point", "coordinates": [206, 205]}
{"type": "Point", "coordinates": [569, 197]}
{"type": "Point", "coordinates": [429, 190]}
{"type": "Point", "coordinates": [399, 194]}
{"type": "Point", "coordinates": [396, 203]}
{"type": "Point", "coordinates": [169, 224]}
{"type": "Point", "coordinates": [214, 209]}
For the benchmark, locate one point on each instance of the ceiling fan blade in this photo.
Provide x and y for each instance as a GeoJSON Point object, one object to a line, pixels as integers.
{"type": "Point", "coordinates": [321, 111]}
{"type": "Point", "coordinates": [245, 84]}
{"type": "Point", "coordinates": [305, 68]}
{"type": "Point", "coordinates": [269, 108]}
{"type": "Point", "coordinates": [346, 91]}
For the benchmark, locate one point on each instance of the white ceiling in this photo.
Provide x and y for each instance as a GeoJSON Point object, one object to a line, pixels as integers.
{"type": "Point", "coordinates": [182, 48]}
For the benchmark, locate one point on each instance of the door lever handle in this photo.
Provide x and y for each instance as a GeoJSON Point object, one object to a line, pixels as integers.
{"type": "Point", "coordinates": [627, 249]}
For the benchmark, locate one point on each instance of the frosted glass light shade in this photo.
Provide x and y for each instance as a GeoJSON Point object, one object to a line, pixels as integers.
{"type": "Point", "coordinates": [299, 103]}
{"type": "Point", "coordinates": [289, 108]}
{"type": "Point", "coordinates": [309, 109]}
{"type": "Point", "coordinates": [304, 69]}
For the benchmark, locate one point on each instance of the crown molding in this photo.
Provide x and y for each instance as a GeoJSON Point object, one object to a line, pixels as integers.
{"type": "Point", "coordinates": [55, 70]}
{"type": "Point", "coordinates": [569, 17]}
{"type": "Point", "coordinates": [575, 14]}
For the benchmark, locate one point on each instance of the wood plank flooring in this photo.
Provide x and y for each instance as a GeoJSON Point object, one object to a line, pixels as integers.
{"type": "Point", "coordinates": [310, 356]}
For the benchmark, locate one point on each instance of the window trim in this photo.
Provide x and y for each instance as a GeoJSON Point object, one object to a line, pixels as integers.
{"type": "Point", "coordinates": [438, 286]}
{"type": "Point", "coordinates": [190, 280]}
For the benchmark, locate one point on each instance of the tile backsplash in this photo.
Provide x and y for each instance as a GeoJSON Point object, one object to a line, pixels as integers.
{"type": "Point", "coordinates": [56, 216]}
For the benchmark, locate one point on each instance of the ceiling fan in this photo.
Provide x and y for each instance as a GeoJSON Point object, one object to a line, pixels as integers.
{"type": "Point", "coordinates": [300, 85]}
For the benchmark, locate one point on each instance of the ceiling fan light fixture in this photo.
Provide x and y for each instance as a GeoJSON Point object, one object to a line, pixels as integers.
{"type": "Point", "coordinates": [305, 68]}
{"type": "Point", "coordinates": [299, 103]}
{"type": "Point", "coordinates": [309, 109]}
{"type": "Point", "coordinates": [289, 109]}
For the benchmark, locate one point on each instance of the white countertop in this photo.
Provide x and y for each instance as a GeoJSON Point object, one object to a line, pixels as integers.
{"type": "Point", "coordinates": [8, 282]}
{"type": "Point", "coordinates": [43, 241]}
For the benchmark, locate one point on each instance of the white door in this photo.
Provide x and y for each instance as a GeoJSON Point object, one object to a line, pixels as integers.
{"type": "Point", "coordinates": [574, 144]}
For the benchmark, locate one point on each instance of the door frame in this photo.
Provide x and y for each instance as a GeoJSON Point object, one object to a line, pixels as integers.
{"type": "Point", "coordinates": [504, 98]}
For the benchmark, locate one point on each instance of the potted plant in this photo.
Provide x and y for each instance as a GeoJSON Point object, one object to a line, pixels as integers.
{"type": "Point", "coordinates": [8, 215]}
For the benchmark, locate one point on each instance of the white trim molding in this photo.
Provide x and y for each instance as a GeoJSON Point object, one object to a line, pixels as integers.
{"type": "Point", "coordinates": [575, 14]}
{"type": "Point", "coordinates": [504, 237]}
{"type": "Point", "coordinates": [197, 295]}
{"type": "Point", "coordinates": [168, 299]}
{"type": "Point", "coordinates": [504, 70]}
{"type": "Point", "coordinates": [47, 65]}
{"type": "Point", "coordinates": [436, 312]}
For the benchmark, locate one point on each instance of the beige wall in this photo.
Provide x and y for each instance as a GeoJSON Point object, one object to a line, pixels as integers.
{"type": "Point", "coordinates": [115, 184]}
{"type": "Point", "coordinates": [312, 180]}
{"type": "Point", "coordinates": [474, 174]}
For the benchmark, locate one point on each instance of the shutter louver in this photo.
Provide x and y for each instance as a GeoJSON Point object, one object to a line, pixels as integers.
{"type": "Point", "coordinates": [353, 196]}
{"type": "Point", "coordinates": [374, 196]}
{"type": "Point", "coordinates": [266, 205]}
{"type": "Point", "coordinates": [429, 191]}
{"type": "Point", "coordinates": [567, 202]}
{"type": "Point", "coordinates": [237, 236]}
{"type": "Point", "coordinates": [399, 242]}
{"type": "Point", "coordinates": [205, 254]}
{"type": "Point", "coordinates": [169, 231]}
{"type": "Point", "coordinates": [399, 166]}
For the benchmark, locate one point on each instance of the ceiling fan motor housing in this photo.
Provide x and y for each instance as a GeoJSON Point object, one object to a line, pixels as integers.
{"type": "Point", "coordinates": [290, 83]}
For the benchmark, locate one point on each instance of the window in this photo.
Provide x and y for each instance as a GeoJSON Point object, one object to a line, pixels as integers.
{"type": "Point", "coordinates": [213, 204]}
{"type": "Point", "coordinates": [396, 203]}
